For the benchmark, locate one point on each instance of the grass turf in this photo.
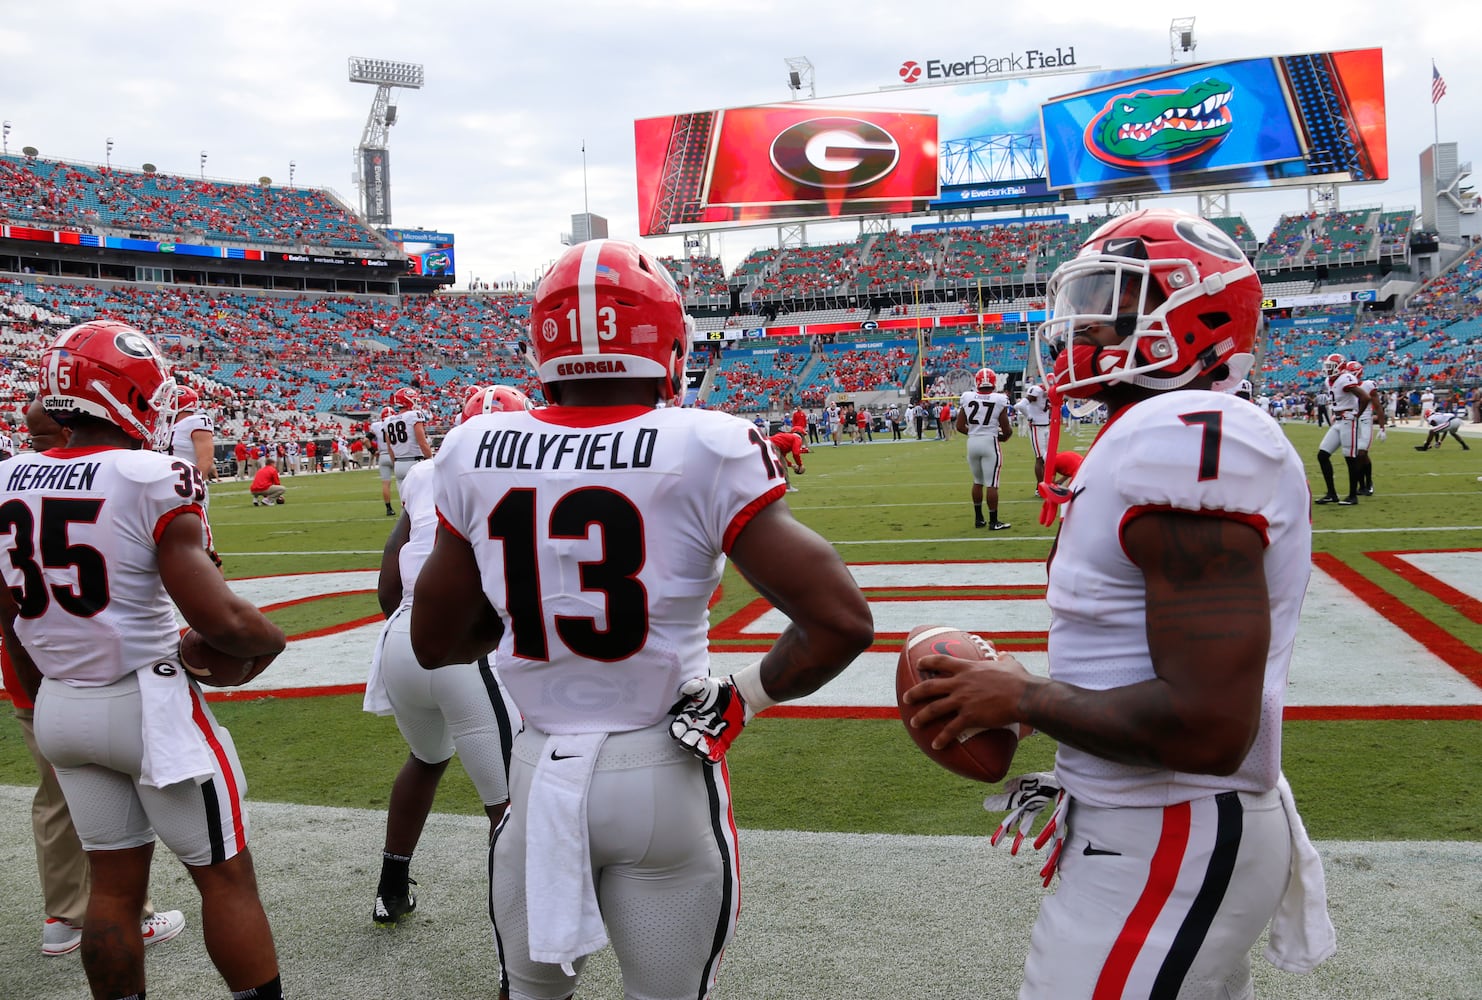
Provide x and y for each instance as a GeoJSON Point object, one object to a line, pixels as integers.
{"type": "Point", "coordinates": [905, 502]}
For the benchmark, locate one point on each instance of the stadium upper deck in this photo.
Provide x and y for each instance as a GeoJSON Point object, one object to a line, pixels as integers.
{"type": "Point", "coordinates": [333, 352]}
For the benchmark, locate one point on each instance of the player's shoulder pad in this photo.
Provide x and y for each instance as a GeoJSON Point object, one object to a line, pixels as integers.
{"type": "Point", "coordinates": [1198, 450]}
{"type": "Point", "coordinates": [716, 434]}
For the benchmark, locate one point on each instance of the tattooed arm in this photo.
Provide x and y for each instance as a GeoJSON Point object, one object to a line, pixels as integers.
{"type": "Point", "coordinates": [1208, 628]}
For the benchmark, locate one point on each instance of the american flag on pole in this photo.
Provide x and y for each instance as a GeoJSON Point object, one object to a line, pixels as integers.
{"type": "Point", "coordinates": [1438, 85]}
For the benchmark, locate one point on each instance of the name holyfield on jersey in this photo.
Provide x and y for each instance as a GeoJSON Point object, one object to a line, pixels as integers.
{"type": "Point", "coordinates": [34, 476]}
{"type": "Point", "coordinates": [509, 449]}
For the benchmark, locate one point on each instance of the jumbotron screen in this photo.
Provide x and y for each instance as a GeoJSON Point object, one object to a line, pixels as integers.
{"type": "Point", "coordinates": [1278, 120]}
{"type": "Point", "coordinates": [431, 253]}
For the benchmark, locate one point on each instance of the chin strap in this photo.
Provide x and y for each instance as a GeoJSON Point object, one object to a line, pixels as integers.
{"type": "Point", "coordinates": [1053, 495]}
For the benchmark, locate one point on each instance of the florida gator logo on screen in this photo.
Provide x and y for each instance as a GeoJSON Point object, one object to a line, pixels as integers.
{"type": "Point", "coordinates": [1153, 128]}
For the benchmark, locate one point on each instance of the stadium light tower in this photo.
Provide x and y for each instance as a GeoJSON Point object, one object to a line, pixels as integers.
{"type": "Point", "coordinates": [203, 164]}
{"type": "Point", "coordinates": [1181, 41]}
{"type": "Point", "coordinates": [7, 139]}
{"type": "Point", "coordinates": [800, 75]}
{"type": "Point", "coordinates": [372, 159]}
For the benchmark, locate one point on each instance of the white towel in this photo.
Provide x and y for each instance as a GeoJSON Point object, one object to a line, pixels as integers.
{"type": "Point", "coordinates": [174, 748]}
{"type": "Point", "coordinates": [377, 701]}
{"type": "Point", "coordinates": [562, 914]}
{"type": "Point", "coordinates": [1302, 935]}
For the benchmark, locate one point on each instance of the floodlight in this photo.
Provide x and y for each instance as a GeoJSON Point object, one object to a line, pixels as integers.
{"type": "Point", "coordinates": [386, 72]}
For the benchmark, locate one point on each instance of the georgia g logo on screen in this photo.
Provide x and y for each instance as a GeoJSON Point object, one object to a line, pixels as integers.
{"type": "Point", "coordinates": [835, 153]}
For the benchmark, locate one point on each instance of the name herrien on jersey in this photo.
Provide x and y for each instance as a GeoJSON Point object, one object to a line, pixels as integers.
{"type": "Point", "coordinates": [511, 449]}
{"type": "Point", "coordinates": [35, 476]}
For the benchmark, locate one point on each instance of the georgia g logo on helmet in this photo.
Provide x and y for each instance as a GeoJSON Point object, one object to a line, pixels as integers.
{"type": "Point", "coordinates": [134, 344]}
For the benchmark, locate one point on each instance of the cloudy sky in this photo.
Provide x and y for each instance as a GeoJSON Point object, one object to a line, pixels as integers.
{"type": "Point", "coordinates": [490, 148]}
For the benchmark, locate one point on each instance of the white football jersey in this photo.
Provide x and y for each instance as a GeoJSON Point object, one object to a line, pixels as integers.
{"type": "Point", "coordinates": [1189, 450]}
{"type": "Point", "coordinates": [983, 410]}
{"type": "Point", "coordinates": [82, 557]}
{"type": "Point", "coordinates": [181, 443]}
{"type": "Point", "coordinates": [1366, 419]}
{"type": "Point", "coordinates": [420, 507]}
{"type": "Point", "coordinates": [600, 535]}
{"type": "Point", "coordinates": [1345, 403]}
{"type": "Point", "coordinates": [1440, 419]}
{"type": "Point", "coordinates": [7, 446]}
{"type": "Point", "coordinates": [1035, 405]}
{"type": "Point", "coordinates": [399, 434]}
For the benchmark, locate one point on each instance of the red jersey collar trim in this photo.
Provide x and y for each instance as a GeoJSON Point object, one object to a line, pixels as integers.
{"type": "Point", "coordinates": [588, 416]}
{"type": "Point", "coordinates": [79, 452]}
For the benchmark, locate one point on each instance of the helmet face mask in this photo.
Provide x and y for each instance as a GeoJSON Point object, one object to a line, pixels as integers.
{"type": "Point", "coordinates": [1155, 299]}
{"type": "Point", "coordinates": [1333, 364]}
{"type": "Point", "coordinates": [111, 372]}
{"type": "Point", "coordinates": [608, 310]}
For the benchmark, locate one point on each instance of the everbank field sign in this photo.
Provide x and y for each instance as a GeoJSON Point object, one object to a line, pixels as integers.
{"type": "Point", "coordinates": [979, 66]}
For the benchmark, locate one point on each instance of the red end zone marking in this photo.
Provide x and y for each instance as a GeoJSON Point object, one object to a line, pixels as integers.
{"type": "Point", "coordinates": [299, 692]}
{"type": "Point", "coordinates": [1419, 578]}
{"type": "Point", "coordinates": [734, 627]}
{"type": "Point", "coordinates": [1448, 648]}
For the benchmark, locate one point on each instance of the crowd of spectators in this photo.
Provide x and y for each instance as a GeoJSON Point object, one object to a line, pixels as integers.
{"type": "Point", "coordinates": [51, 192]}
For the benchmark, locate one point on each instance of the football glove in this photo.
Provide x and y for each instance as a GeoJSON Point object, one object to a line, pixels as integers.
{"type": "Point", "coordinates": [708, 717]}
{"type": "Point", "coordinates": [1055, 830]}
{"type": "Point", "coordinates": [1024, 798]}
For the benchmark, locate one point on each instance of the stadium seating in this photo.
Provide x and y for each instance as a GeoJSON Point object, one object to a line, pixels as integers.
{"type": "Point", "coordinates": [51, 192]}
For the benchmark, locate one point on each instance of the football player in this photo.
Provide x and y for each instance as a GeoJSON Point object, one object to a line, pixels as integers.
{"type": "Point", "coordinates": [461, 708]}
{"type": "Point", "coordinates": [984, 417]}
{"type": "Point", "coordinates": [1175, 587]}
{"type": "Point", "coordinates": [1034, 407]}
{"type": "Point", "coordinates": [592, 533]}
{"type": "Point", "coordinates": [790, 445]}
{"type": "Point", "coordinates": [61, 862]}
{"type": "Point", "coordinates": [384, 461]}
{"type": "Point", "coordinates": [1439, 424]}
{"type": "Point", "coordinates": [193, 440]}
{"type": "Point", "coordinates": [136, 749]}
{"type": "Point", "coordinates": [1349, 400]}
{"type": "Point", "coordinates": [1372, 420]}
{"type": "Point", "coordinates": [404, 433]}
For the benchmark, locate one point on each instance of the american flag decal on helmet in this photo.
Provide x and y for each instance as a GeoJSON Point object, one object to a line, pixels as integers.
{"type": "Point", "coordinates": [608, 273]}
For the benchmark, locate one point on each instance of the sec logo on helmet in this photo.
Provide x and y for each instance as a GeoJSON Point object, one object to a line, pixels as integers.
{"type": "Point", "coordinates": [835, 153]}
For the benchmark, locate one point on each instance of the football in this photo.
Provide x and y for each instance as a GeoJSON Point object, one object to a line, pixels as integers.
{"type": "Point", "coordinates": [209, 665]}
{"type": "Point", "coordinates": [982, 754]}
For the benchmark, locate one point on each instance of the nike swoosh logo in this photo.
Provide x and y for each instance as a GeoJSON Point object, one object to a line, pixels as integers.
{"type": "Point", "coordinates": [563, 756]}
{"type": "Point", "coordinates": [1092, 852]}
{"type": "Point", "coordinates": [1078, 491]}
{"type": "Point", "coordinates": [149, 933]}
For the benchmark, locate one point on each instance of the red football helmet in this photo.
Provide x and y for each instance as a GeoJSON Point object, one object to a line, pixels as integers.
{"type": "Point", "coordinates": [986, 380]}
{"type": "Point", "coordinates": [606, 309]}
{"type": "Point", "coordinates": [111, 371]}
{"type": "Point", "coordinates": [1333, 364]}
{"type": "Point", "coordinates": [386, 411]}
{"type": "Point", "coordinates": [406, 398]}
{"type": "Point", "coordinates": [494, 399]}
{"type": "Point", "coordinates": [186, 399]}
{"type": "Point", "coordinates": [1178, 292]}
{"type": "Point", "coordinates": [1354, 368]}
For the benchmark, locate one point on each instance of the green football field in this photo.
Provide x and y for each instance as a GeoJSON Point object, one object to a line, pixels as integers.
{"type": "Point", "coordinates": [1363, 775]}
